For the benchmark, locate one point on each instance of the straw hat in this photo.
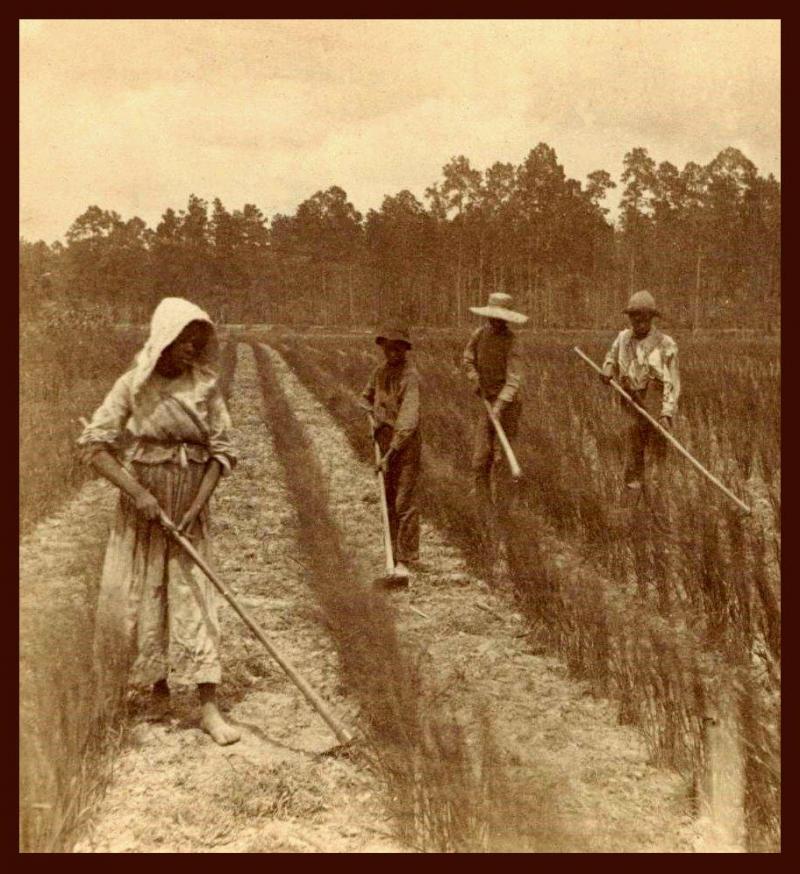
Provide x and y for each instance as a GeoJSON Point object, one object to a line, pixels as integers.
{"type": "Point", "coordinates": [399, 335]}
{"type": "Point", "coordinates": [642, 302]}
{"type": "Point", "coordinates": [499, 307]}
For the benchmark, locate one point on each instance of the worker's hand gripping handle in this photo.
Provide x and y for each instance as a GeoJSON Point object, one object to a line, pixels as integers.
{"type": "Point", "coordinates": [516, 470]}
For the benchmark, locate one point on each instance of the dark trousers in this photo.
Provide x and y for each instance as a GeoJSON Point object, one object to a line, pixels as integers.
{"type": "Point", "coordinates": [401, 482]}
{"type": "Point", "coordinates": [490, 470]}
{"type": "Point", "coordinates": [645, 444]}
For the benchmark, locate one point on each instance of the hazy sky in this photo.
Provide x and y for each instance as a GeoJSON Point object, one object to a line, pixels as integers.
{"type": "Point", "coordinates": [136, 115]}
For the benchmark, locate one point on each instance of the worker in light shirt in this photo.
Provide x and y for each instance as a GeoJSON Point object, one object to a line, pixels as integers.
{"type": "Point", "coordinates": [644, 361]}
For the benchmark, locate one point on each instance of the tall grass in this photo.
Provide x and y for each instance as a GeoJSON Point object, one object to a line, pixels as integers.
{"type": "Point", "coordinates": [444, 796]}
{"type": "Point", "coordinates": [71, 714]}
{"type": "Point", "coordinates": [654, 606]}
{"type": "Point", "coordinates": [65, 366]}
{"type": "Point", "coordinates": [227, 366]}
{"type": "Point", "coordinates": [72, 708]}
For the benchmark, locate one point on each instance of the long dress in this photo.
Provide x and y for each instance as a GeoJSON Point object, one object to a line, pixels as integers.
{"type": "Point", "coordinates": [156, 610]}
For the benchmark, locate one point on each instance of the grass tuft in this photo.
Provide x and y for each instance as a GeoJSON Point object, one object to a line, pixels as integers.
{"type": "Point", "coordinates": [651, 607]}
{"type": "Point", "coordinates": [443, 796]}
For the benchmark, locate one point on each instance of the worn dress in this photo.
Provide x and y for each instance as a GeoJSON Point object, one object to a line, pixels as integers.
{"type": "Point", "coordinates": [155, 607]}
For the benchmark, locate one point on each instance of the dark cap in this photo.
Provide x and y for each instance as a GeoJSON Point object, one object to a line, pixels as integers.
{"type": "Point", "coordinates": [642, 302]}
{"type": "Point", "coordinates": [399, 335]}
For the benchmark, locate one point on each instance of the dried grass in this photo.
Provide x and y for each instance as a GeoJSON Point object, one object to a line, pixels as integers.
{"type": "Point", "coordinates": [648, 616]}
{"type": "Point", "coordinates": [444, 796]}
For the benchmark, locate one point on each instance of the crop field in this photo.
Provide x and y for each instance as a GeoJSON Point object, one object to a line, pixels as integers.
{"type": "Point", "coordinates": [64, 374]}
{"type": "Point", "coordinates": [566, 708]}
{"type": "Point", "coordinates": [648, 607]}
{"type": "Point", "coordinates": [280, 594]}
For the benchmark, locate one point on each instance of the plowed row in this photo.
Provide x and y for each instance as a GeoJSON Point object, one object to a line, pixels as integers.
{"type": "Point", "coordinates": [558, 755]}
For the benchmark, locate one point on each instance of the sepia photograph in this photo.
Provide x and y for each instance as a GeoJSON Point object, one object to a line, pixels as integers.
{"type": "Point", "coordinates": [399, 436]}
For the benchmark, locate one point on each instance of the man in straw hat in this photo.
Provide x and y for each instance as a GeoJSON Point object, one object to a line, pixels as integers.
{"type": "Point", "coordinates": [644, 361]}
{"type": "Point", "coordinates": [493, 366]}
{"type": "Point", "coordinates": [392, 396]}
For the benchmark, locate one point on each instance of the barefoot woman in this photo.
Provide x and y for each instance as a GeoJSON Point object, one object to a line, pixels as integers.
{"type": "Point", "coordinates": [156, 608]}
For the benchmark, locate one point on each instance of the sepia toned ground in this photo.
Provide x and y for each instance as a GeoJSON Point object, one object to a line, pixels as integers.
{"type": "Point", "coordinates": [174, 790]}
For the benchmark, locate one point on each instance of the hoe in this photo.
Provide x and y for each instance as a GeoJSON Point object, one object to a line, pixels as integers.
{"type": "Point", "coordinates": [391, 579]}
{"type": "Point", "coordinates": [664, 433]}
{"type": "Point", "coordinates": [516, 470]}
{"type": "Point", "coordinates": [345, 738]}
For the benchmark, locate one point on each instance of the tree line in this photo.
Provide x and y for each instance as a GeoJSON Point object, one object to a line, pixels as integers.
{"type": "Point", "coordinates": [704, 239]}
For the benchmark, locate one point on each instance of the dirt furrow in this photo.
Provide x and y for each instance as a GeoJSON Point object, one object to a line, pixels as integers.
{"type": "Point", "coordinates": [52, 552]}
{"type": "Point", "coordinates": [175, 790]}
{"type": "Point", "coordinates": [64, 754]}
{"type": "Point", "coordinates": [549, 726]}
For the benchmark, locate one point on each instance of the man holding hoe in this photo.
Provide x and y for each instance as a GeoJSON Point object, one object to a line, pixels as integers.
{"type": "Point", "coordinates": [644, 361]}
{"type": "Point", "coordinates": [493, 365]}
{"type": "Point", "coordinates": [392, 397]}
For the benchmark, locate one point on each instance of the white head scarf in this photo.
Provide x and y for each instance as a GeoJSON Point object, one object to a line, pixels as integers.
{"type": "Point", "coordinates": [170, 317]}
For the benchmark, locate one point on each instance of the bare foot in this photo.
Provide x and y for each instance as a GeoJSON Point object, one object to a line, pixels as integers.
{"type": "Point", "coordinates": [215, 725]}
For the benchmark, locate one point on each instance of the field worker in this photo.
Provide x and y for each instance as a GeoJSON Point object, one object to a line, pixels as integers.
{"type": "Point", "coordinates": [493, 365]}
{"type": "Point", "coordinates": [392, 396]}
{"type": "Point", "coordinates": [156, 610]}
{"type": "Point", "coordinates": [644, 361]}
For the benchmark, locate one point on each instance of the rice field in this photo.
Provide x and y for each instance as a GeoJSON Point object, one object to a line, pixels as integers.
{"type": "Point", "coordinates": [444, 796]}
{"type": "Point", "coordinates": [659, 609]}
{"type": "Point", "coordinates": [673, 613]}
{"type": "Point", "coordinates": [65, 371]}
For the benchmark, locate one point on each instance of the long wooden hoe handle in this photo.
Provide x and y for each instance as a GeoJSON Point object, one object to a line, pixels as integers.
{"type": "Point", "coordinates": [516, 470]}
{"type": "Point", "coordinates": [311, 696]}
{"type": "Point", "coordinates": [387, 534]}
{"type": "Point", "coordinates": [664, 433]}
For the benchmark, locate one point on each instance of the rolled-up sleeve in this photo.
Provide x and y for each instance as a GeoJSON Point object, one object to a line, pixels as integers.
{"type": "Point", "coordinates": [108, 421]}
{"type": "Point", "coordinates": [407, 421]}
{"type": "Point", "coordinates": [367, 398]}
{"type": "Point", "coordinates": [220, 445]}
{"type": "Point", "coordinates": [510, 389]}
{"type": "Point", "coordinates": [611, 361]}
{"type": "Point", "coordinates": [672, 381]}
{"type": "Point", "coordinates": [469, 358]}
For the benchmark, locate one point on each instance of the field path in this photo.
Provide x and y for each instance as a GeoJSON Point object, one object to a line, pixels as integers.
{"type": "Point", "coordinates": [175, 790]}
{"type": "Point", "coordinates": [548, 725]}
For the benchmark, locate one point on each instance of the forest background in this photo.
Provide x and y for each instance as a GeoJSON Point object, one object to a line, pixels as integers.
{"type": "Point", "coordinates": [704, 239]}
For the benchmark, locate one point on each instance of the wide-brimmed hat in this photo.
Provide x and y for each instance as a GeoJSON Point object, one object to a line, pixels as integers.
{"type": "Point", "coordinates": [642, 302]}
{"type": "Point", "coordinates": [499, 307]}
{"type": "Point", "coordinates": [396, 334]}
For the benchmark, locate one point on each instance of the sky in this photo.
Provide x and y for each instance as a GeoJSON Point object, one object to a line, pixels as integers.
{"type": "Point", "coordinates": [137, 115]}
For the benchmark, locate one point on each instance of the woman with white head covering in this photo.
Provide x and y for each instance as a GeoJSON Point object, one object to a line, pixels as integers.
{"type": "Point", "coordinates": [156, 609]}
